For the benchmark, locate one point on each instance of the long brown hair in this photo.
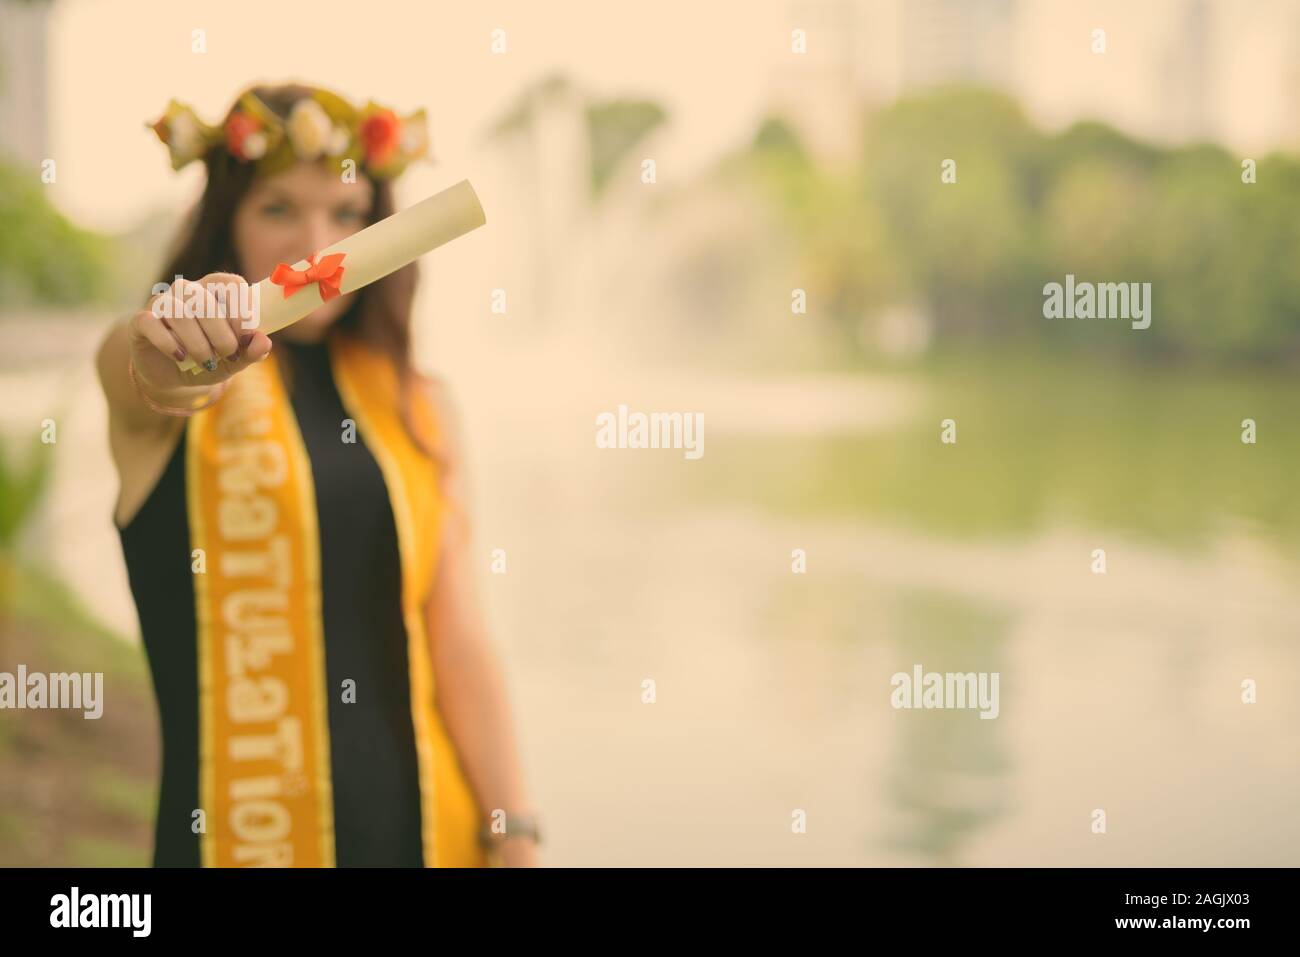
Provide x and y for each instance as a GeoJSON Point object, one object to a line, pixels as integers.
{"type": "Point", "coordinates": [380, 315]}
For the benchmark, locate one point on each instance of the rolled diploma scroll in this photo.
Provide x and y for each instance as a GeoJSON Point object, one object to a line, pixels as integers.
{"type": "Point", "coordinates": [374, 252]}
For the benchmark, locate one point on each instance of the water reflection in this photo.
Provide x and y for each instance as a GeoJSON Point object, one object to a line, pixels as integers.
{"type": "Point", "coordinates": [948, 771]}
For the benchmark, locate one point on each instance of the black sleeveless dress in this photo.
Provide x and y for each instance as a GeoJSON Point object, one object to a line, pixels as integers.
{"type": "Point", "coordinates": [372, 741]}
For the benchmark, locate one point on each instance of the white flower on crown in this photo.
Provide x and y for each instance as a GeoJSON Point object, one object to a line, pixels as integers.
{"type": "Point", "coordinates": [185, 135]}
{"type": "Point", "coordinates": [254, 145]}
{"type": "Point", "coordinates": [309, 129]}
{"type": "Point", "coordinates": [338, 141]}
{"type": "Point", "coordinates": [414, 138]}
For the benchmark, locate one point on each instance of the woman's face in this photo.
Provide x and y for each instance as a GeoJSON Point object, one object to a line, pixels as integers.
{"type": "Point", "coordinates": [289, 216]}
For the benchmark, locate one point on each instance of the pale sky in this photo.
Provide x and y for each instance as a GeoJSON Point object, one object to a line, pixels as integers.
{"type": "Point", "coordinates": [114, 64]}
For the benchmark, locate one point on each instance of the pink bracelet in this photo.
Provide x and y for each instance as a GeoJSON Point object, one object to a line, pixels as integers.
{"type": "Point", "coordinates": [169, 410]}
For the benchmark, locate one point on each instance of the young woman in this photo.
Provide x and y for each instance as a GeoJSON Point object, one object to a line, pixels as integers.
{"type": "Point", "coordinates": [293, 520]}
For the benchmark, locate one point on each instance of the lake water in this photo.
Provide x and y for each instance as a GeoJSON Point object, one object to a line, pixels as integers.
{"type": "Point", "coordinates": [1119, 692]}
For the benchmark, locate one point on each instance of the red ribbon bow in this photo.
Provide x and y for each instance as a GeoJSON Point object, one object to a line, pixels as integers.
{"type": "Point", "coordinates": [326, 273]}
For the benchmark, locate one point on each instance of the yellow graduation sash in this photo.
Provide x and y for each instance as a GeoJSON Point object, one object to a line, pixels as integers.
{"type": "Point", "coordinates": [264, 750]}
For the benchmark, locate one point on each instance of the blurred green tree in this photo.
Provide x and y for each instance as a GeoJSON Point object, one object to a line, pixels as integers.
{"type": "Point", "coordinates": [44, 258]}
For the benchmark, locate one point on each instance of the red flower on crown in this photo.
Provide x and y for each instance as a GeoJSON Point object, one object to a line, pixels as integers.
{"type": "Point", "coordinates": [239, 128]}
{"type": "Point", "coordinates": [381, 133]}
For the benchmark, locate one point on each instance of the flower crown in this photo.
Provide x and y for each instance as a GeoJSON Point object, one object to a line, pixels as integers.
{"type": "Point", "coordinates": [320, 126]}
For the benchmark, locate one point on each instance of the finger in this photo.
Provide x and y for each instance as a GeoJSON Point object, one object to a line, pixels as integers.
{"type": "Point", "coordinates": [257, 349]}
{"type": "Point", "coordinates": [150, 328]}
{"type": "Point", "coordinates": [258, 346]}
{"type": "Point", "coordinates": [234, 295]}
{"type": "Point", "coordinates": [162, 307]}
{"type": "Point", "coordinates": [189, 301]}
{"type": "Point", "coordinates": [216, 327]}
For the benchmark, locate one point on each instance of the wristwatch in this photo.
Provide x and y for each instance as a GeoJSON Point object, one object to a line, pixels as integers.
{"type": "Point", "coordinates": [516, 825]}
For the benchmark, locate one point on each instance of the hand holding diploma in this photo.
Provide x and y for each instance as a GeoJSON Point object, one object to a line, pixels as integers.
{"type": "Point", "coordinates": [187, 319]}
{"type": "Point", "coordinates": [235, 317]}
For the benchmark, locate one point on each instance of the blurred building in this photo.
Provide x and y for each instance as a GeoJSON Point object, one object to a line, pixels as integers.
{"type": "Point", "coordinates": [819, 92]}
{"type": "Point", "coordinates": [24, 80]}
{"type": "Point", "coordinates": [1177, 75]}
{"type": "Point", "coordinates": [1184, 85]}
{"type": "Point", "coordinates": [959, 41]}
{"type": "Point", "coordinates": [863, 53]}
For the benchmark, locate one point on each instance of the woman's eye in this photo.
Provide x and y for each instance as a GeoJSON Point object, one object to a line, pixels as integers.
{"type": "Point", "coordinates": [275, 209]}
{"type": "Point", "coordinates": [349, 216]}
